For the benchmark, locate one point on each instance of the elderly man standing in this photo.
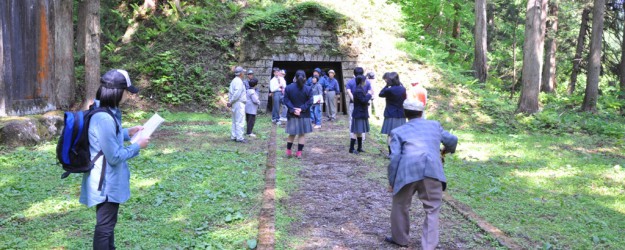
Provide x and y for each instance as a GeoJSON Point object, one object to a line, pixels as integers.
{"type": "Point", "coordinates": [332, 89]}
{"type": "Point", "coordinates": [250, 76]}
{"type": "Point", "coordinates": [236, 101]}
{"type": "Point", "coordinates": [416, 166]}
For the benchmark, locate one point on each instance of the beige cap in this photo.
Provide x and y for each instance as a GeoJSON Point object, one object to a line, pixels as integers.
{"type": "Point", "coordinates": [414, 105]}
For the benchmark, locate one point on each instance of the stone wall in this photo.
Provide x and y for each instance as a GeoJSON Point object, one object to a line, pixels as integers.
{"type": "Point", "coordinates": [315, 41]}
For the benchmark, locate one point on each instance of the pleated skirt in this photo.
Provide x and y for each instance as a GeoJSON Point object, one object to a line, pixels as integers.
{"type": "Point", "coordinates": [359, 126]}
{"type": "Point", "coordinates": [392, 123]}
{"type": "Point", "coordinates": [298, 126]}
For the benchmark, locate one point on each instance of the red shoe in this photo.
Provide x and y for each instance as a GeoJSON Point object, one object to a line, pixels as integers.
{"type": "Point", "coordinates": [298, 154]}
{"type": "Point", "coordinates": [289, 153]}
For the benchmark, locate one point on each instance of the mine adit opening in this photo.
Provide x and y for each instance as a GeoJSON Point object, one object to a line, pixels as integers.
{"type": "Point", "coordinates": [292, 66]}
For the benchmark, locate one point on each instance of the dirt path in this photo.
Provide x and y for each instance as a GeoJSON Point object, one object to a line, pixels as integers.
{"type": "Point", "coordinates": [341, 201]}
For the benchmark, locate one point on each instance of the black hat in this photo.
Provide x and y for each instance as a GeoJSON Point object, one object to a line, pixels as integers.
{"type": "Point", "coordinates": [118, 79]}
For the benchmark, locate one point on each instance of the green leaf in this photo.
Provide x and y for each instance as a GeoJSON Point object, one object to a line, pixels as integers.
{"type": "Point", "coordinates": [251, 243]}
{"type": "Point", "coordinates": [229, 218]}
{"type": "Point", "coordinates": [595, 239]}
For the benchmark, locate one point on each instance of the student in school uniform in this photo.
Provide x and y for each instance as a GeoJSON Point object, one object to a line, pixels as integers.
{"type": "Point", "coordinates": [110, 155]}
{"type": "Point", "coordinates": [350, 87]}
{"type": "Point", "coordinates": [251, 107]}
{"type": "Point", "coordinates": [317, 90]}
{"type": "Point", "coordinates": [395, 94]}
{"type": "Point", "coordinates": [360, 114]}
{"type": "Point", "coordinates": [298, 99]}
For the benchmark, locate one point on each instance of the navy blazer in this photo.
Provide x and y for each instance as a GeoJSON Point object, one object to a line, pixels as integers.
{"type": "Point", "coordinates": [395, 96]}
{"type": "Point", "coordinates": [361, 103]}
{"type": "Point", "coordinates": [298, 98]}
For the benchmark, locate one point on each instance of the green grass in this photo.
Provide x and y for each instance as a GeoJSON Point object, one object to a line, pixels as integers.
{"type": "Point", "coordinates": [562, 191]}
{"type": "Point", "coordinates": [286, 182]}
{"type": "Point", "coordinates": [192, 187]}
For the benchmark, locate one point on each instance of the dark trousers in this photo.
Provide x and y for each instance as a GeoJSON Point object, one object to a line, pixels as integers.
{"type": "Point", "coordinates": [251, 120]}
{"type": "Point", "coordinates": [106, 216]}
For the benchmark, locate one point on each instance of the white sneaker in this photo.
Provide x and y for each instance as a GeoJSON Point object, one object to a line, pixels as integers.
{"type": "Point", "coordinates": [283, 119]}
{"type": "Point", "coordinates": [317, 126]}
{"type": "Point", "coordinates": [252, 135]}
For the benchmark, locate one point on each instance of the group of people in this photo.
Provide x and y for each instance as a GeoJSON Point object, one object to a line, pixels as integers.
{"type": "Point", "coordinates": [414, 145]}
{"type": "Point", "coordinates": [244, 99]}
{"type": "Point", "coordinates": [416, 164]}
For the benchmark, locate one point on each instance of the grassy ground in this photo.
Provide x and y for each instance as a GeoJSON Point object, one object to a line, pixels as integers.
{"type": "Point", "coordinates": [561, 191]}
{"type": "Point", "coordinates": [186, 192]}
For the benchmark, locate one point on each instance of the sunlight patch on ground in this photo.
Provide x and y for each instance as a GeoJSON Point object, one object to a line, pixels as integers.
{"type": "Point", "coordinates": [542, 174]}
{"type": "Point", "coordinates": [56, 205]}
{"type": "Point", "coordinates": [617, 175]}
{"type": "Point", "coordinates": [471, 151]}
{"type": "Point", "coordinates": [144, 183]}
{"type": "Point", "coordinates": [235, 230]}
{"type": "Point", "coordinates": [618, 205]}
{"type": "Point", "coordinates": [180, 217]}
{"type": "Point", "coordinates": [167, 151]}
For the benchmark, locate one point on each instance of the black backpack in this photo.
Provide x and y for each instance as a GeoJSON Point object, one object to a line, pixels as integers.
{"type": "Point", "coordinates": [72, 150]}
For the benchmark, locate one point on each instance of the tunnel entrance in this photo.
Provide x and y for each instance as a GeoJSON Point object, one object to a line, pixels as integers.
{"type": "Point", "coordinates": [292, 66]}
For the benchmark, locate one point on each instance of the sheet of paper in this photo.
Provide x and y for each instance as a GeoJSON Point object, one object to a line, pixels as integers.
{"type": "Point", "coordinates": [148, 128]}
{"type": "Point", "coordinates": [317, 99]}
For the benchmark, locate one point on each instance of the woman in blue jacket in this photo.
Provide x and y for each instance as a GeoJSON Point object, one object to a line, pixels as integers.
{"type": "Point", "coordinates": [395, 95]}
{"type": "Point", "coordinates": [107, 149]}
{"type": "Point", "coordinates": [360, 115]}
{"type": "Point", "coordinates": [298, 100]}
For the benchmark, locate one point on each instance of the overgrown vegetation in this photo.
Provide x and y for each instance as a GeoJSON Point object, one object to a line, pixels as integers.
{"type": "Point", "coordinates": [182, 59]}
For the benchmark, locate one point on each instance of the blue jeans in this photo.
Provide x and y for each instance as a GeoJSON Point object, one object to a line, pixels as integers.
{"type": "Point", "coordinates": [275, 107]}
{"type": "Point", "coordinates": [315, 114]}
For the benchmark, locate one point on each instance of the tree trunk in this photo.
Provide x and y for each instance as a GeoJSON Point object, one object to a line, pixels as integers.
{"type": "Point", "coordinates": [455, 32]}
{"type": "Point", "coordinates": [594, 58]}
{"type": "Point", "coordinates": [92, 51]}
{"type": "Point", "coordinates": [80, 29]}
{"type": "Point", "coordinates": [514, 45]}
{"type": "Point", "coordinates": [480, 66]}
{"type": "Point", "coordinates": [64, 83]}
{"type": "Point", "coordinates": [578, 50]}
{"type": "Point", "coordinates": [533, 54]}
{"type": "Point", "coordinates": [549, 69]}
{"type": "Point", "coordinates": [490, 20]}
{"type": "Point", "coordinates": [621, 67]}
{"type": "Point", "coordinates": [2, 68]}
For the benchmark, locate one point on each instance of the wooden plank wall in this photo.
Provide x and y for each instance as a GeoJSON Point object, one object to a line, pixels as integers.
{"type": "Point", "coordinates": [27, 53]}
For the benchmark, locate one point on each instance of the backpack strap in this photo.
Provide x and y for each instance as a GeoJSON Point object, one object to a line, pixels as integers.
{"type": "Point", "coordinates": [103, 172]}
{"type": "Point", "coordinates": [108, 111]}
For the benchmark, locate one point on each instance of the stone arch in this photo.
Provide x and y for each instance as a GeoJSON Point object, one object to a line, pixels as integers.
{"type": "Point", "coordinates": [306, 32]}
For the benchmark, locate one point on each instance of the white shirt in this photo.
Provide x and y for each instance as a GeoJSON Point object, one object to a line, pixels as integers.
{"type": "Point", "coordinates": [275, 83]}
{"type": "Point", "coordinates": [236, 92]}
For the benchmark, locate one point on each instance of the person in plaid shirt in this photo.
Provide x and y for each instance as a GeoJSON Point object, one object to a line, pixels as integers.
{"type": "Point", "coordinates": [416, 166]}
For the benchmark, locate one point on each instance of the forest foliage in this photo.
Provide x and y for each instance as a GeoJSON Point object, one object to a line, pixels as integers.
{"type": "Point", "coordinates": [429, 31]}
